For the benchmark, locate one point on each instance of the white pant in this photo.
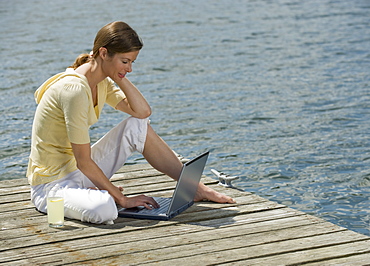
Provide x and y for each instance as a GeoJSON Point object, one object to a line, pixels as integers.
{"type": "Point", "coordinates": [109, 153]}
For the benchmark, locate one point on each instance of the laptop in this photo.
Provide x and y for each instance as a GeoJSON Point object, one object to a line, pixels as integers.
{"type": "Point", "coordinates": [182, 198]}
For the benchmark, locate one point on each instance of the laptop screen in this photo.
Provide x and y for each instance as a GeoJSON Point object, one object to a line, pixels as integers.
{"type": "Point", "coordinates": [189, 179]}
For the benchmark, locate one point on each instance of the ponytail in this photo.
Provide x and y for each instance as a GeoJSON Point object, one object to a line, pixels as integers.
{"type": "Point", "coordinates": [80, 60]}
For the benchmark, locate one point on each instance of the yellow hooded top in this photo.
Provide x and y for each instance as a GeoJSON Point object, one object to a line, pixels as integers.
{"type": "Point", "coordinates": [63, 116]}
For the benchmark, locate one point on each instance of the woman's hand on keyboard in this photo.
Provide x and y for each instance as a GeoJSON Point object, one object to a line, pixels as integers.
{"type": "Point", "coordinates": [136, 201]}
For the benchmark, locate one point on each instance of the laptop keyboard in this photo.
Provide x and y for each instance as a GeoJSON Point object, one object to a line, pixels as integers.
{"type": "Point", "coordinates": [164, 204]}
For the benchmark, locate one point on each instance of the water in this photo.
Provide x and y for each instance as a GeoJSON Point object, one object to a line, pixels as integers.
{"type": "Point", "coordinates": [277, 90]}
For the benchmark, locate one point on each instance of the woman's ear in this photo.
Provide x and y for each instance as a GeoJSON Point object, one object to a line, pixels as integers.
{"type": "Point", "coordinates": [103, 52]}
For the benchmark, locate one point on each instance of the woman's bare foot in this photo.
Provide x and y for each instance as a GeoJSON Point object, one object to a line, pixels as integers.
{"type": "Point", "coordinates": [206, 193]}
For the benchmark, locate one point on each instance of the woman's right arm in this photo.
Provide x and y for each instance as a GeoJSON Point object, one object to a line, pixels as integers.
{"type": "Point", "coordinates": [89, 168]}
{"type": "Point", "coordinates": [134, 104]}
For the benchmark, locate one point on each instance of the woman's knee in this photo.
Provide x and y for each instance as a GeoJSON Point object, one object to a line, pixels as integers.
{"type": "Point", "coordinates": [137, 125]}
{"type": "Point", "coordinates": [102, 210]}
{"type": "Point", "coordinates": [135, 132]}
{"type": "Point", "coordinates": [96, 207]}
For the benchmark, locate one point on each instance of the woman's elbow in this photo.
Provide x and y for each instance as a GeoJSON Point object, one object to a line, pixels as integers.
{"type": "Point", "coordinates": [148, 113]}
{"type": "Point", "coordinates": [144, 113]}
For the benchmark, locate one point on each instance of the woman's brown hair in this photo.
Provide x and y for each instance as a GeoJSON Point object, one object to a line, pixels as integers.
{"type": "Point", "coordinates": [116, 37]}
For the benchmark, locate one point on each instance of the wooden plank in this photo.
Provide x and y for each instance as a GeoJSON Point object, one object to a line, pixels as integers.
{"type": "Point", "coordinates": [16, 206]}
{"type": "Point", "coordinates": [130, 187]}
{"type": "Point", "coordinates": [253, 231]}
{"type": "Point", "coordinates": [136, 175]}
{"type": "Point", "coordinates": [128, 171]}
{"type": "Point", "coordinates": [37, 225]}
{"type": "Point", "coordinates": [24, 196]}
{"type": "Point", "coordinates": [14, 190]}
{"type": "Point", "coordinates": [165, 249]}
{"type": "Point", "coordinates": [22, 202]}
{"type": "Point", "coordinates": [30, 216]}
{"type": "Point", "coordinates": [25, 224]}
{"type": "Point", "coordinates": [134, 167]}
{"type": "Point", "coordinates": [294, 251]}
{"type": "Point", "coordinates": [13, 183]}
{"type": "Point", "coordinates": [125, 169]}
{"type": "Point", "coordinates": [353, 253]}
{"type": "Point", "coordinates": [132, 179]}
{"type": "Point", "coordinates": [166, 235]}
{"type": "Point", "coordinates": [353, 259]}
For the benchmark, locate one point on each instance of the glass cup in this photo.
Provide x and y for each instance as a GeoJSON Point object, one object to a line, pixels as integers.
{"type": "Point", "coordinates": [55, 207]}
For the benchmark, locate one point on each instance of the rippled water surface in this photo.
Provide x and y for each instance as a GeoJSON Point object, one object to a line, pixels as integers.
{"type": "Point", "coordinates": [277, 90]}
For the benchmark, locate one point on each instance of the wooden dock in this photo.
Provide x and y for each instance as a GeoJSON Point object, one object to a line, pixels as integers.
{"type": "Point", "coordinates": [254, 231]}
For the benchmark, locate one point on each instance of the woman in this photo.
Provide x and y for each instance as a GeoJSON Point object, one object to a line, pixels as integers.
{"type": "Point", "coordinates": [68, 104]}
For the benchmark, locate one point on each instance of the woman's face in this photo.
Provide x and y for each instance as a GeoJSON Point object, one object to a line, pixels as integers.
{"type": "Point", "coordinates": [120, 64]}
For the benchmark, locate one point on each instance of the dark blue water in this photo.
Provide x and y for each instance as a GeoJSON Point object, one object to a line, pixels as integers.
{"type": "Point", "coordinates": [277, 90]}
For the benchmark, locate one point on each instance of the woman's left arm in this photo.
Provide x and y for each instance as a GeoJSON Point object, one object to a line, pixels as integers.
{"type": "Point", "coordinates": [134, 103]}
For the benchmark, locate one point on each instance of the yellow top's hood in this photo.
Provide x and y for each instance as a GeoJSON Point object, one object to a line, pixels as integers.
{"type": "Point", "coordinates": [48, 83]}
